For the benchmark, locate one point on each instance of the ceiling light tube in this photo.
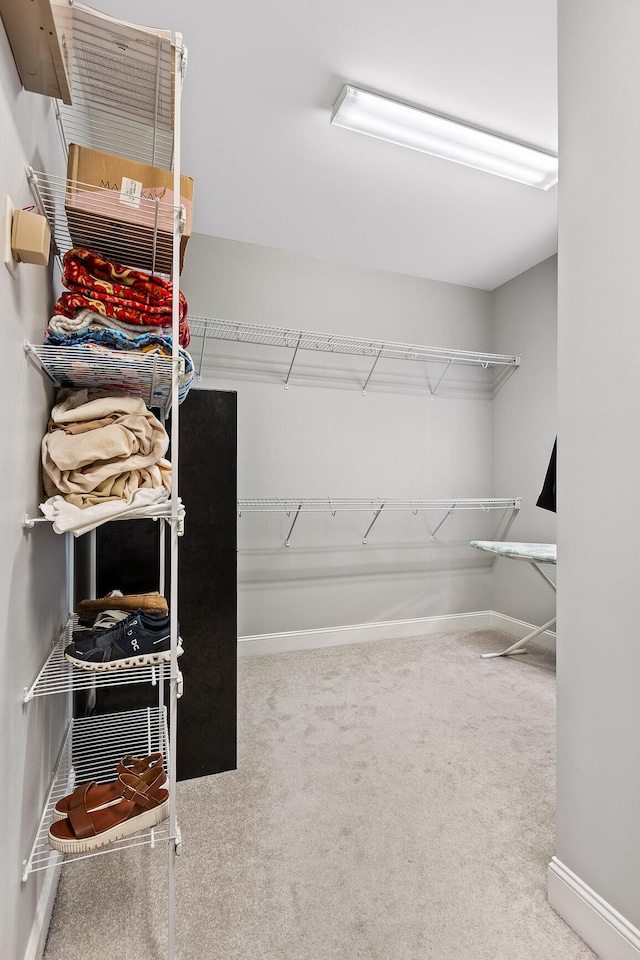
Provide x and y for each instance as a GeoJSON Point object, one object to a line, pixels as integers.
{"type": "Point", "coordinates": [418, 129]}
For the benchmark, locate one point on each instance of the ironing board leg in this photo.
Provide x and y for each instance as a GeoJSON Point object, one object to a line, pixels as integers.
{"type": "Point", "coordinates": [518, 646]}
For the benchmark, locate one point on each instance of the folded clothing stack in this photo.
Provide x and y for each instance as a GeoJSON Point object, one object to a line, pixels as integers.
{"type": "Point", "coordinates": [134, 299]}
{"type": "Point", "coordinates": [111, 307]}
{"type": "Point", "coordinates": [103, 458]}
{"type": "Point", "coordinates": [99, 333]}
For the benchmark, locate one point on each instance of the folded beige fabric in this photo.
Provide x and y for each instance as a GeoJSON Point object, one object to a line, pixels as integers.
{"type": "Point", "coordinates": [104, 445]}
{"type": "Point", "coordinates": [123, 486]}
{"type": "Point", "coordinates": [92, 403]}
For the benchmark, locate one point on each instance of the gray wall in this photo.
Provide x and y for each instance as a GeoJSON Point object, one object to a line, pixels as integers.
{"type": "Point", "coordinates": [32, 600]}
{"type": "Point", "coordinates": [598, 706]}
{"type": "Point", "coordinates": [524, 428]}
{"type": "Point", "coordinates": [322, 438]}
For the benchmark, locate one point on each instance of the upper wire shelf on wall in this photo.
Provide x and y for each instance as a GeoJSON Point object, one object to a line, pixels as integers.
{"type": "Point", "coordinates": [210, 328]}
{"type": "Point", "coordinates": [280, 504]}
{"type": "Point", "coordinates": [376, 505]}
{"type": "Point", "coordinates": [123, 89]}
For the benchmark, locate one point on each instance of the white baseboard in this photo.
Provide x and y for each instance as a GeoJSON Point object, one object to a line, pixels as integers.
{"type": "Point", "coordinates": [40, 927]}
{"type": "Point", "coordinates": [259, 644]}
{"type": "Point", "coordinates": [605, 930]}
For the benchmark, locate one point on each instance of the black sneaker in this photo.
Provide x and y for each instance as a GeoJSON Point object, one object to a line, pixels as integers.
{"type": "Point", "coordinates": [84, 638]}
{"type": "Point", "coordinates": [139, 639]}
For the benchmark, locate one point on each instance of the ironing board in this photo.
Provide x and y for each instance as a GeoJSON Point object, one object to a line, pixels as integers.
{"type": "Point", "coordinates": [533, 554]}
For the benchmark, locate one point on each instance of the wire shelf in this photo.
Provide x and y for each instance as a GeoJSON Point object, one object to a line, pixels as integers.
{"type": "Point", "coordinates": [207, 327]}
{"type": "Point", "coordinates": [92, 749]}
{"type": "Point", "coordinates": [376, 505]}
{"type": "Point", "coordinates": [85, 215]}
{"type": "Point", "coordinates": [57, 675]}
{"type": "Point", "coordinates": [122, 89]}
{"type": "Point", "coordinates": [280, 504]}
{"type": "Point", "coordinates": [144, 375]}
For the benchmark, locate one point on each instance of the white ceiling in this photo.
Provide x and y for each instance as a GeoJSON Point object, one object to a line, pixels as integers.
{"type": "Point", "coordinates": [269, 169]}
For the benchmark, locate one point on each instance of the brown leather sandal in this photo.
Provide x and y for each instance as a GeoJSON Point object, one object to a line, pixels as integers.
{"type": "Point", "coordinates": [143, 805]}
{"type": "Point", "coordinates": [100, 795]}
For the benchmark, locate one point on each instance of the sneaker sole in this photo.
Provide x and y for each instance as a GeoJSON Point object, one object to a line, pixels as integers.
{"type": "Point", "coordinates": [139, 660]}
{"type": "Point", "coordinates": [150, 818]}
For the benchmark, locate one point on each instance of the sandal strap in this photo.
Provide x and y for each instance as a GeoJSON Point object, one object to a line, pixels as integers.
{"type": "Point", "coordinates": [78, 815]}
{"type": "Point", "coordinates": [140, 790]}
{"type": "Point", "coordinates": [77, 798]}
{"type": "Point", "coordinates": [139, 765]}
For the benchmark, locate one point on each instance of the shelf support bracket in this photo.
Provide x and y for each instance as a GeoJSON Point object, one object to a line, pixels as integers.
{"type": "Point", "coordinates": [293, 360]}
{"type": "Point", "coordinates": [28, 522]}
{"type": "Point", "coordinates": [364, 387]}
{"type": "Point", "coordinates": [514, 514]}
{"type": "Point", "coordinates": [178, 841]}
{"type": "Point", "coordinates": [446, 370]}
{"type": "Point", "coordinates": [544, 576]}
{"type": "Point", "coordinates": [377, 514]}
{"type": "Point", "coordinates": [287, 542]}
{"type": "Point", "coordinates": [202, 353]}
{"type": "Point", "coordinates": [446, 516]}
{"type": "Point", "coordinates": [33, 356]}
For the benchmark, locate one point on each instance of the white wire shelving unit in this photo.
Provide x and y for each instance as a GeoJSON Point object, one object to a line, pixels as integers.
{"type": "Point", "coordinates": [91, 750]}
{"type": "Point", "coordinates": [208, 328]}
{"type": "Point", "coordinates": [294, 506]}
{"type": "Point", "coordinates": [124, 81]}
{"type": "Point", "coordinates": [126, 100]}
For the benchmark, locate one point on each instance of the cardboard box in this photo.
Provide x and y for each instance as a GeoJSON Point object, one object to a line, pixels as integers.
{"type": "Point", "coordinates": [118, 207]}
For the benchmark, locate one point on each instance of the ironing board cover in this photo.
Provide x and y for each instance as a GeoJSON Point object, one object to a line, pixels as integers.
{"type": "Point", "coordinates": [536, 552]}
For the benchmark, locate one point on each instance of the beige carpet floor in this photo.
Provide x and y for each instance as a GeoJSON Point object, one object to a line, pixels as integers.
{"type": "Point", "coordinates": [394, 801]}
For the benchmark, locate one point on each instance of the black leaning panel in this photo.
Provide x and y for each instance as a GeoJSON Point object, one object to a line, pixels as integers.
{"type": "Point", "coordinates": [128, 560]}
{"type": "Point", "coordinates": [207, 714]}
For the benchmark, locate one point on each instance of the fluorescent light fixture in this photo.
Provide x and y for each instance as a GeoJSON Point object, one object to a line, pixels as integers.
{"type": "Point", "coordinates": [418, 129]}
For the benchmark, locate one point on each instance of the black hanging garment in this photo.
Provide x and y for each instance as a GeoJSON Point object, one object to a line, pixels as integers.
{"type": "Point", "coordinates": [547, 498]}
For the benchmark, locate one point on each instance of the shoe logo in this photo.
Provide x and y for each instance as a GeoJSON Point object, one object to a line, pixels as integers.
{"type": "Point", "coordinates": [134, 644]}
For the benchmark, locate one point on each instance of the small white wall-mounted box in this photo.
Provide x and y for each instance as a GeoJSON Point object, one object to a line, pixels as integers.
{"type": "Point", "coordinates": [30, 238]}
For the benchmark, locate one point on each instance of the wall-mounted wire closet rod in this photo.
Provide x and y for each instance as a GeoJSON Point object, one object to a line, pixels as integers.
{"type": "Point", "coordinates": [214, 329]}
{"type": "Point", "coordinates": [376, 505]}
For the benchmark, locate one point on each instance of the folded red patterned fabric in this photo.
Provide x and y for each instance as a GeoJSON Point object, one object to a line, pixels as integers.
{"type": "Point", "coordinates": [116, 291]}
